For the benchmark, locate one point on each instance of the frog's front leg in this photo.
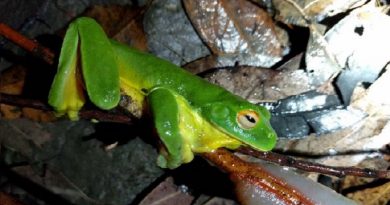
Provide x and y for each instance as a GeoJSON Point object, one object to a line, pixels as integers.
{"type": "Point", "coordinates": [165, 110]}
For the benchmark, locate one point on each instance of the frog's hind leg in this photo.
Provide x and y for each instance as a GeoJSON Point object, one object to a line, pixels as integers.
{"type": "Point", "coordinates": [165, 109]}
{"type": "Point", "coordinates": [66, 94]}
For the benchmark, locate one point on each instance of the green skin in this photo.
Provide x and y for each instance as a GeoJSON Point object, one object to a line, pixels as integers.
{"type": "Point", "coordinates": [190, 114]}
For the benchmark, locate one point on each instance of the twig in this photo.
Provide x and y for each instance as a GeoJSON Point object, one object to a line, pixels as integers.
{"type": "Point", "coordinates": [315, 167]}
{"type": "Point", "coordinates": [30, 45]}
{"type": "Point", "coordinates": [16, 100]}
{"type": "Point", "coordinates": [84, 114]}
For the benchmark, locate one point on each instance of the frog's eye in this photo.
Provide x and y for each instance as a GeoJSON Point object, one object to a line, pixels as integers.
{"type": "Point", "coordinates": [247, 119]}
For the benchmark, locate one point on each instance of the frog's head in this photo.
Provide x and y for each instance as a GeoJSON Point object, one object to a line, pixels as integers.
{"type": "Point", "coordinates": [243, 121]}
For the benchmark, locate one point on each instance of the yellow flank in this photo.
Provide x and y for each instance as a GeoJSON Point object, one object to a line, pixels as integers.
{"type": "Point", "coordinates": [136, 106]}
{"type": "Point", "coordinates": [73, 98]}
{"type": "Point", "coordinates": [199, 135]}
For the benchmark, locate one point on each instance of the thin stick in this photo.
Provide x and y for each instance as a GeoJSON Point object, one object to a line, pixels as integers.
{"type": "Point", "coordinates": [30, 45]}
{"type": "Point", "coordinates": [315, 167]}
{"type": "Point", "coordinates": [99, 115]}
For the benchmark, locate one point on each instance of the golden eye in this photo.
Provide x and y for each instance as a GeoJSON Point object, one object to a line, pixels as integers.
{"type": "Point", "coordinates": [247, 119]}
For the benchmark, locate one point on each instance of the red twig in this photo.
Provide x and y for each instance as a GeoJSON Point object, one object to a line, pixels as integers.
{"type": "Point", "coordinates": [27, 44]}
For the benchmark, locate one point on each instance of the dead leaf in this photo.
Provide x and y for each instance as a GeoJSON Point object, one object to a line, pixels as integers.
{"type": "Point", "coordinates": [122, 23]}
{"type": "Point", "coordinates": [6, 199]}
{"type": "Point", "coordinates": [365, 190]}
{"type": "Point", "coordinates": [170, 33]}
{"type": "Point", "coordinates": [167, 193]}
{"type": "Point", "coordinates": [373, 196]}
{"type": "Point", "coordinates": [258, 84]}
{"type": "Point", "coordinates": [31, 133]}
{"type": "Point", "coordinates": [358, 44]}
{"type": "Point", "coordinates": [38, 115]}
{"type": "Point", "coordinates": [237, 31]}
{"type": "Point", "coordinates": [12, 82]}
{"type": "Point", "coordinates": [220, 201]}
{"type": "Point", "coordinates": [298, 12]}
{"type": "Point", "coordinates": [201, 65]}
{"type": "Point", "coordinates": [54, 181]}
{"type": "Point", "coordinates": [236, 81]}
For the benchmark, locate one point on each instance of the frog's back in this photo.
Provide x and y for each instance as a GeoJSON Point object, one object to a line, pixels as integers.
{"type": "Point", "coordinates": [145, 71]}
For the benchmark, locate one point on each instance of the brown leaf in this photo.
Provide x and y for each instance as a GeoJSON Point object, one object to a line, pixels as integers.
{"type": "Point", "coordinates": [167, 193]}
{"type": "Point", "coordinates": [245, 81]}
{"type": "Point", "coordinates": [373, 196]}
{"type": "Point", "coordinates": [259, 85]}
{"type": "Point", "coordinates": [201, 65]}
{"type": "Point", "coordinates": [368, 191]}
{"type": "Point", "coordinates": [12, 82]}
{"type": "Point", "coordinates": [299, 11]}
{"type": "Point", "coordinates": [220, 201]}
{"type": "Point", "coordinates": [123, 23]}
{"type": "Point", "coordinates": [6, 199]}
{"type": "Point", "coordinates": [29, 132]}
{"type": "Point", "coordinates": [237, 31]}
{"type": "Point", "coordinates": [38, 115]}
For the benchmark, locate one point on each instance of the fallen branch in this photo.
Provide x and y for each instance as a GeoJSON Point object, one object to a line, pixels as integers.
{"type": "Point", "coordinates": [99, 115]}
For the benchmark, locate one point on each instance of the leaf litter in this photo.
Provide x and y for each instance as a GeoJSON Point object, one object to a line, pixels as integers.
{"type": "Point", "coordinates": [335, 54]}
